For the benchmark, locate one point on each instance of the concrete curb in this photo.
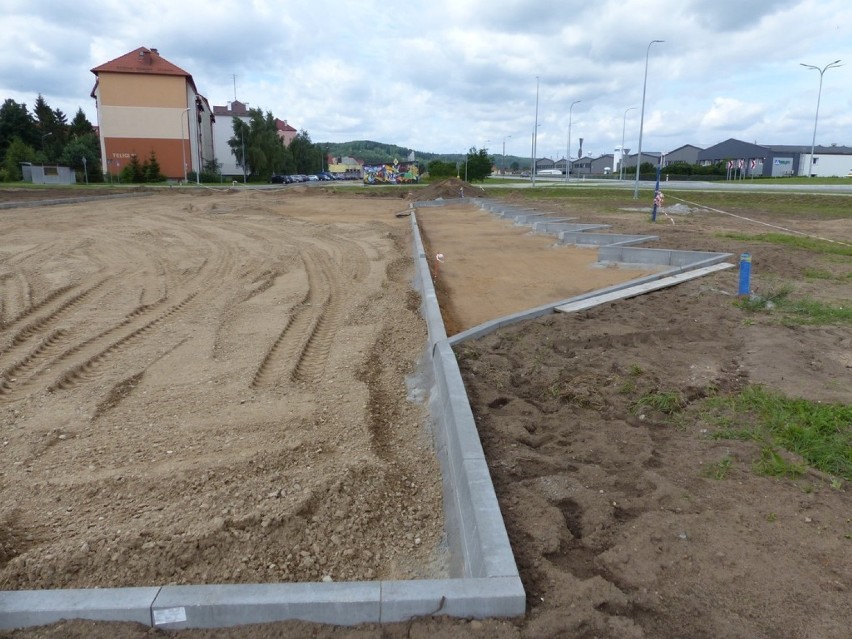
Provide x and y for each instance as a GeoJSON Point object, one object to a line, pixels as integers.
{"type": "Point", "coordinates": [75, 200]}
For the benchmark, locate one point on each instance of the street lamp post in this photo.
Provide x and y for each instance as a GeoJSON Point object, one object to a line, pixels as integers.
{"type": "Point", "coordinates": [623, 127]}
{"type": "Point", "coordinates": [46, 135]}
{"type": "Point", "coordinates": [836, 63]}
{"type": "Point", "coordinates": [642, 121]}
{"type": "Point", "coordinates": [182, 145]}
{"type": "Point", "coordinates": [503, 161]}
{"type": "Point", "coordinates": [568, 151]}
{"type": "Point", "coordinates": [535, 133]}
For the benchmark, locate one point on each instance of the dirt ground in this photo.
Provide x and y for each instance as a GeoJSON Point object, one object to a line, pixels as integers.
{"type": "Point", "coordinates": [621, 524]}
{"type": "Point", "coordinates": [210, 388]}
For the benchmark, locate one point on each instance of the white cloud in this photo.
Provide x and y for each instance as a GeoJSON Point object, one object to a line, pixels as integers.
{"type": "Point", "coordinates": [447, 75]}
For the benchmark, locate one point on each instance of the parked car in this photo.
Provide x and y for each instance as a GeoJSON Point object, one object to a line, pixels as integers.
{"type": "Point", "coordinates": [278, 179]}
{"type": "Point", "coordinates": [313, 178]}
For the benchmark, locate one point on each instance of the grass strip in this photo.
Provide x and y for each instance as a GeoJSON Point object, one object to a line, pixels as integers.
{"type": "Point", "coordinates": [821, 433]}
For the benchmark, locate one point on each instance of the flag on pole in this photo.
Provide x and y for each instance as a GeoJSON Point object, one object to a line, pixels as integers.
{"type": "Point", "coordinates": [753, 163]}
{"type": "Point", "coordinates": [730, 164]}
{"type": "Point", "coordinates": [741, 163]}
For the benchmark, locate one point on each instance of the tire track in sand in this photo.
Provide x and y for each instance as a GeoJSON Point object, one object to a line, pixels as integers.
{"type": "Point", "coordinates": [300, 351]}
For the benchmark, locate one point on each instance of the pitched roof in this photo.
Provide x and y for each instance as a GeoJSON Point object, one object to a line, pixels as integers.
{"type": "Point", "coordinates": [141, 60]}
{"type": "Point", "coordinates": [144, 61]}
{"type": "Point", "coordinates": [233, 109]}
{"type": "Point", "coordinates": [282, 125]}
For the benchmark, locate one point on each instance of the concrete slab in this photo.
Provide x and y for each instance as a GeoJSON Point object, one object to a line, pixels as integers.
{"type": "Point", "coordinates": [641, 289]}
{"type": "Point", "coordinates": [561, 227]}
{"type": "Point", "coordinates": [603, 239]}
{"type": "Point", "coordinates": [217, 606]}
{"type": "Point", "coordinates": [665, 257]}
{"type": "Point", "coordinates": [453, 597]}
{"type": "Point", "coordinates": [23, 608]}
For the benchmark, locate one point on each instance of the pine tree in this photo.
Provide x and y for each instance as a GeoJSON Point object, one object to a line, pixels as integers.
{"type": "Point", "coordinates": [133, 171]}
{"type": "Point", "coordinates": [151, 168]}
{"type": "Point", "coordinates": [80, 125]}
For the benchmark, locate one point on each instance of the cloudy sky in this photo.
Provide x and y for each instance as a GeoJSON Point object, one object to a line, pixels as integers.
{"type": "Point", "coordinates": [446, 75]}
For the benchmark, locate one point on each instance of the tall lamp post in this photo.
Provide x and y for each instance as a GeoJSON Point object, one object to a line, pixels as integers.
{"type": "Point", "coordinates": [182, 145]}
{"type": "Point", "coordinates": [623, 127]}
{"type": "Point", "coordinates": [568, 151]}
{"type": "Point", "coordinates": [535, 133]}
{"type": "Point", "coordinates": [836, 63]}
{"type": "Point", "coordinates": [503, 161]}
{"type": "Point", "coordinates": [642, 121]}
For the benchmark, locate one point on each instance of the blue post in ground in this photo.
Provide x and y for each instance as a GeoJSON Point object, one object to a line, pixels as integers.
{"type": "Point", "coordinates": [745, 275]}
{"type": "Point", "coordinates": [657, 199]}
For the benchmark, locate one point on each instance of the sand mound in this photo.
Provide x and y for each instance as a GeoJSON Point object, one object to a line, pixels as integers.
{"type": "Point", "coordinates": [449, 188]}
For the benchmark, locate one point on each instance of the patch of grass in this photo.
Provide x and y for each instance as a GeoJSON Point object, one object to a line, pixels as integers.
{"type": "Point", "coordinates": [768, 301]}
{"type": "Point", "coordinates": [636, 370]}
{"type": "Point", "coordinates": [666, 402]}
{"type": "Point", "coordinates": [808, 311]}
{"type": "Point", "coordinates": [772, 464]}
{"type": "Point", "coordinates": [817, 274]}
{"type": "Point", "coordinates": [795, 241]}
{"type": "Point", "coordinates": [797, 312]}
{"type": "Point", "coordinates": [719, 470]}
{"type": "Point", "coordinates": [821, 433]}
{"type": "Point", "coordinates": [628, 387]}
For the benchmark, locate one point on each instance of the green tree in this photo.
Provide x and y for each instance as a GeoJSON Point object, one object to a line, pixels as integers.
{"type": "Point", "coordinates": [440, 169]}
{"type": "Point", "coordinates": [52, 128]}
{"type": "Point", "coordinates": [478, 165]}
{"type": "Point", "coordinates": [257, 146]}
{"type": "Point", "coordinates": [151, 169]}
{"type": "Point", "coordinates": [16, 122]}
{"type": "Point", "coordinates": [80, 125]}
{"type": "Point", "coordinates": [17, 152]}
{"type": "Point", "coordinates": [83, 146]}
{"type": "Point", "coordinates": [133, 171]}
{"type": "Point", "coordinates": [307, 156]}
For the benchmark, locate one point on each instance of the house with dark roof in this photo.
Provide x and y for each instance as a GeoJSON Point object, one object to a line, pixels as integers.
{"type": "Point", "coordinates": [147, 104]}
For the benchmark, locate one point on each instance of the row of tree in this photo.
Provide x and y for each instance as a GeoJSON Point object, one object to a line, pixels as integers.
{"type": "Point", "coordinates": [257, 146]}
{"type": "Point", "coordinates": [45, 136]}
{"type": "Point", "coordinates": [475, 167]}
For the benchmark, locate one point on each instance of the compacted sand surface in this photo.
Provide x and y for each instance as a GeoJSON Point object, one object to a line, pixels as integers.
{"type": "Point", "coordinates": [211, 389]}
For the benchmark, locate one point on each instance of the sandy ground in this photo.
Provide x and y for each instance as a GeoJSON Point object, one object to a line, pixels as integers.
{"type": "Point", "coordinates": [623, 520]}
{"type": "Point", "coordinates": [491, 267]}
{"type": "Point", "coordinates": [211, 389]}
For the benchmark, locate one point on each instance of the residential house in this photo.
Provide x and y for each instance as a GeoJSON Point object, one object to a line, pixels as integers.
{"type": "Point", "coordinates": [223, 132]}
{"type": "Point", "coordinates": [148, 105]}
{"type": "Point", "coordinates": [285, 132]}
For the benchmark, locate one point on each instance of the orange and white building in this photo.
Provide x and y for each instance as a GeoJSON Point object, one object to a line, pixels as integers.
{"type": "Point", "coordinates": [145, 103]}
